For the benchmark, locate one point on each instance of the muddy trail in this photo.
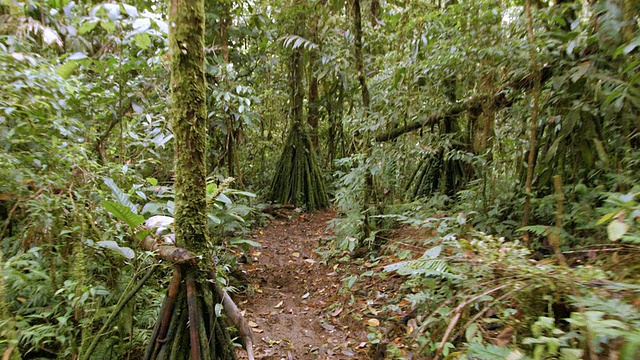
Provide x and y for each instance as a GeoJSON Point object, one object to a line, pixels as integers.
{"type": "Point", "coordinates": [293, 301]}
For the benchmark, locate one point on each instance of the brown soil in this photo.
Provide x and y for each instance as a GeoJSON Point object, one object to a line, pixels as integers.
{"type": "Point", "coordinates": [293, 303]}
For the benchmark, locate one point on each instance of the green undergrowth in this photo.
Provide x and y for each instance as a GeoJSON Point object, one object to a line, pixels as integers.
{"type": "Point", "coordinates": [452, 292]}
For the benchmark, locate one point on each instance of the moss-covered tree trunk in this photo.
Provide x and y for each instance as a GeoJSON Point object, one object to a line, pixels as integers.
{"type": "Point", "coordinates": [188, 327]}
{"type": "Point", "coordinates": [298, 179]}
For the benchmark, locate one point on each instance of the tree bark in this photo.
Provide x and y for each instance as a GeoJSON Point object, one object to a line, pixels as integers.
{"type": "Point", "coordinates": [312, 113]}
{"type": "Point", "coordinates": [188, 121]}
{"type": "Point", "coordinates": [298, 179]}
{"type": "Point", "coordinates": [534, 119]}
{"type": "Point", "coordinates": [313, 103]}
{"type": "Point", "coordinates": [369, 194]}
{"type": "Point", "coordinates": [362, 76]}
{"type": "Point", "coordinates": [189, 327]}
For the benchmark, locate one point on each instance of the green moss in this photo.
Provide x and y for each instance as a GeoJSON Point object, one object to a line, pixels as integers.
{"type": "Point", "coordinates": [188, 121]}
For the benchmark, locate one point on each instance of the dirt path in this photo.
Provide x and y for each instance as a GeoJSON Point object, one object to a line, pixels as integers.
{"type": "Point", "coordinates": [291, 295]}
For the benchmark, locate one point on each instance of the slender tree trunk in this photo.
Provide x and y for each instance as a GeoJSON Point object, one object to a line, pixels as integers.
{"type": "Point", "coordinates": [224, 34]}
{"type": "Point", "coordinates": [366, 103]}
{"type": "Point", "coordinates": [362, 76]}
{"type": "Point", "coordinates": [297, 88]}
{"type": "Point", "coordinates": [376, 9]}
{"type": "Point", "coordinates": [188, 121]}
{"type": "Point", "coordinates": [534, 119]}
{"type": "Point", "coordinates": [312, 113]}
{"type": "Point", "coordinates": [234, 129]}
{"type": "Point", "coordinates": [313, 103]}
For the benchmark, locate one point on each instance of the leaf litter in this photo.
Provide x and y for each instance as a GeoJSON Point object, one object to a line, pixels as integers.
{"type": "Point", "coordinates": [293, 303]}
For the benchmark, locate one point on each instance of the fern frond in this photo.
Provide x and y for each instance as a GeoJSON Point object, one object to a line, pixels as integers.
{"type": "Point", "coordinates": [295, 41]}
{"type": "Point", "coordinates": [538, 230]}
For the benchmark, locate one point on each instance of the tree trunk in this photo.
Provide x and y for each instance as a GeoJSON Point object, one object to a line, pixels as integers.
{"type": "Point", "coordinates": [334, 98]}
{"type": "Point", "coordinates": [313, 103]}
{"type": "Point", "coordinates": [366, 102]}
{"type": "Point", "coordinates": [189, 327]}
{"type": "Point", "coordinates": [298, 179]}
{"type": "Point", "coordinates": [362, 76]}
{"type": "Point", "coordinates": [534, 120]}
{"type": "Point", "coordinates": [312, 113]}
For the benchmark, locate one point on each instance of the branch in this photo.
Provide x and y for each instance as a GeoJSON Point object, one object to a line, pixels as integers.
{"type": "Point", "coordinates": [123, 302]}
{"type": "Point", "coordinates": [428, 120]}
{"type": "Point", "coordinates": [170, 253]}
{"type": "Point", "coordinates": [235, 316]}
{"type": "Point", "coordinates": [498, 100]}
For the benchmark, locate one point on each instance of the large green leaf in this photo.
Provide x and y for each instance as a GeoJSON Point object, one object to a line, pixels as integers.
{"type": "Point", "coordinates": [240, 241]}
{"type": "Point", "coordinates": [123, 213]}
{"type": "Point", "coordinates": [121, 196]}
{"type": "Point", "coordinates": [617, 229]}
{"type": "Point", "coordinates": [65, 70]}
{"type": "Point", "coordinates": [493, 352]}
{"type": "Point", "coordinates": [126, 252]}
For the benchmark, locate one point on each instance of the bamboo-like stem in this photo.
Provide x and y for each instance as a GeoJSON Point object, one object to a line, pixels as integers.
{"type": "Point", "coordinates": [176, 333]}
{"type": "Point", "coordinates": [555, 235]}
{"type": "Point", "coordinates": [235, 316]}
{"type": "Point", "coordinates": [152, 346]}
{"type": "Point", "coordinates": [123, 302]}
{"type": "Point", "coordinates": [178, 318]}
{"type": "Point", "coordinates": [202, 330]}
{"type": "Point", "coordinates": [458, 312]}
{"type": "Point", "coordinates": [167, 313]}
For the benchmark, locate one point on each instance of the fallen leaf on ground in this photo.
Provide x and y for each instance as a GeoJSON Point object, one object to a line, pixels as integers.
{"type": "Point", "coordinates": [336, 312]}
{"type": "Point", "coordinates": [252, 324]}
{"type": "Point", "coordinates": [328, 327]}
{"type": "Point", "coordinates": [279, 305]}
{"type": "Point", "coordinates": [411, 325]}
{"type": "Point", "coordinates": [373, 311]}
{"type": "Point", "coordinates": [347, 352]}
{"type": "Point", "coordinates": [504, 338]}
{"type": "Point", "coordinates": [373, 322]}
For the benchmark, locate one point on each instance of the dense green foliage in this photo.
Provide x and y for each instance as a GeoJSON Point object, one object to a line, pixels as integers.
{"type": "Point", "coordinates": [441, 140]}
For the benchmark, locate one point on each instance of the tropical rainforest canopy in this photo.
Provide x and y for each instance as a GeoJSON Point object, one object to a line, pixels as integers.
{"type": "Point", "coordinates": [143, 142]}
